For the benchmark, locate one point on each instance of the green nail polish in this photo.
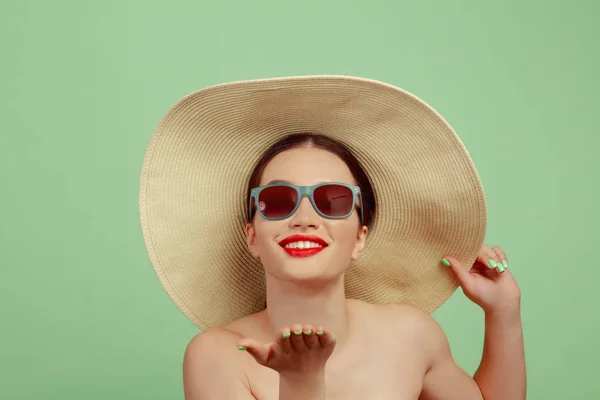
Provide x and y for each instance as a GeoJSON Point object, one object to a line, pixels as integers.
{"type": "Point", "coordinates": [298, 332]}
{"type": "Point", "coordinates": [319, 333]}
{"type": "Point", "coordinates": [492, 263]}
{"type": "Point", "coordinates": [445, 262]}
{"type": "Point", "coordinates": [286, 335]}
{"type": "Point", "coordinates": [242, 348]}
{"type": "Point", "coordinates": [505, 264]}
{"type": "Point", "coordinates": [501, 268]}
{"type": "Point", "coordinates": [308, 332]}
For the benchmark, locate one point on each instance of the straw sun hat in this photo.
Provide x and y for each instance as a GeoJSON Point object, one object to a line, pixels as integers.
{"type": "Point", "coordinates": [195, 174]}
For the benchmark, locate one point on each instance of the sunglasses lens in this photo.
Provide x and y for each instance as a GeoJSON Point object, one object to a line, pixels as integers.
{"type": "Point", "coordinates": [334, 200]}
{"type": "Point", "coordinates": [277, 201]}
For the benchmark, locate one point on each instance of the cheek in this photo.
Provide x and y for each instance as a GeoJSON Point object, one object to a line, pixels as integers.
{"type": "Point", "coordinates": [266, 232]}
{"type": "Point", "coordinates": [344, 233]}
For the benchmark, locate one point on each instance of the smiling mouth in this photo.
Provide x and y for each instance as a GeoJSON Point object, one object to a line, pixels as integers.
{"type": "Point", "coordinates": [306, 252]}
{"type": "Point", "coordinates": [302, 245]}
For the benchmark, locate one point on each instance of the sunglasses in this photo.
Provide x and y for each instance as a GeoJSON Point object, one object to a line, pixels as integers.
{"type": "Point", "coordinates": [280, 200]}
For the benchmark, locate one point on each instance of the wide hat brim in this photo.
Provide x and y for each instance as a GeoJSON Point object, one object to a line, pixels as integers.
{"type": "Point", "coordinates": [194, 178]}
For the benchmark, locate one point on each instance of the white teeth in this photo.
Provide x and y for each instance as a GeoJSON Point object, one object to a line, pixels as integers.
{"type": "Point", "coordinates": [302, 245]}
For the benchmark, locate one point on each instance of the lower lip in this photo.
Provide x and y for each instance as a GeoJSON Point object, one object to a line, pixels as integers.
{"type": "Point", "coordinates": [303, 252]}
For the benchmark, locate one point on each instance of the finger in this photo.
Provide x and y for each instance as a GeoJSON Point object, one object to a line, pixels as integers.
{"type": "Point", "coordinates": [483, 270]}
{"type": "Point", "coordinates": [488, 257]}
{"type": "Point", "coordinates": [501, 255]}
{"type": "Point", "coordinates": [480, 267]}
{"type": "Point", "coordinates": [283, 340]}
{"type": "Point", "coordinates": [297, 339]}
{"type": "Point", "coordinates": [259, 351]}
{"type": "Point", "coordinates": [319, 330]}
{"type": "Point", "coordinates": [460, 271]}
{"type": "Point", "coordinates": [326, 338]}
{"type": "Point", "coordinates": [310, 336]}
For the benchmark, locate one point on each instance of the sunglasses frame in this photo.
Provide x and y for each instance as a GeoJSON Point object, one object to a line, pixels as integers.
{"type": "Point", "coordinates": [303, 191]}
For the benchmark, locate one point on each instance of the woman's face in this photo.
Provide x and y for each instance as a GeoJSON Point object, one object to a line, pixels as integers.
{"type": "Point", "coordinates": [344, 238]}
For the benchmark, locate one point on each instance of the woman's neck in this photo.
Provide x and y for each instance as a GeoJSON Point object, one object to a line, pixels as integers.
{"type": "Point", "coordinates": [290, 303]}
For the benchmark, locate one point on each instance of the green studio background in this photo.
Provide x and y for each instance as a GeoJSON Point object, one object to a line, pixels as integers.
{"type": "Point", "coordinates": [83, 85]}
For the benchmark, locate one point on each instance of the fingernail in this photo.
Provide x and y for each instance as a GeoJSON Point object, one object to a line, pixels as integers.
{"type": "Point", "coordinates": [505, 263]}
{"type": "Point", "coordinates": [308, 332]}
{"type": "Point", "coordinates": [242, 348]}
{"type": "Point", "coordinates": [320, 333]}
{"type": "Point", "coordinates": [445, 262]}
{"type": "Point", "coordinates": [501, 268]}
{"type": "Point", "coordinates": [286, 335]}
{"type": "Point", "coordinates": [298, 332]}
{"type": "Point", "coordinates": [492, 263]}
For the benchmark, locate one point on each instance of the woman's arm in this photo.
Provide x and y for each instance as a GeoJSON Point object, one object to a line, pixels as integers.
{"type": "Point", "coordinates": [302, 387]}
{"type": "Point", "coordinates": [444, 379]}
{"type": "Point", "coordinates": [501, 374]}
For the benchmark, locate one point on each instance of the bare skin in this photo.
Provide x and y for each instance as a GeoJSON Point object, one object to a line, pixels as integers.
{"type": "Point", "coordinates": [366, 351]}
{"type": "Point", "coordinates": [385, 357]}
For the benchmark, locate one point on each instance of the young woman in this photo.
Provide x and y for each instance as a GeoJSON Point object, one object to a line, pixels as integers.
{"type": "Point", "coordinates": [311, 208]}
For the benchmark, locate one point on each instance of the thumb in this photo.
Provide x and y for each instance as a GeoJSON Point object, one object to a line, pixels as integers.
{"type": "Point", "coordinates": [462, 274]}
{"type": "Point", "coordinates": [259, 351]}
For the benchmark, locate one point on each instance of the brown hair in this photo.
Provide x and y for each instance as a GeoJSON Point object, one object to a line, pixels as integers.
{"type": "Point", "coordinates": [323, 142]}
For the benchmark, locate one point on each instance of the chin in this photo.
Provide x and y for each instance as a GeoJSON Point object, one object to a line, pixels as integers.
{"type": "Point", "coordinates": [309, 269]}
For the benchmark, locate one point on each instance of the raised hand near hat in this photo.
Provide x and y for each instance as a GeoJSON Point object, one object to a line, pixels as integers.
{"type": "Point", "coordinates": [488, 283]}
{"type": "Point", "coordinates": [299, 354]}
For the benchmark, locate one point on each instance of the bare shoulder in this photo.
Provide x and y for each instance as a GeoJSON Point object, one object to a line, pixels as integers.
{"type": "Point", "coordinates": [210, 348]}
{"type": "Point", "coordinates": [213, 367]}
{"type": "Point", "coordinates": [214, 342]}
{"type": "Point", "coordinates": [219, 341]}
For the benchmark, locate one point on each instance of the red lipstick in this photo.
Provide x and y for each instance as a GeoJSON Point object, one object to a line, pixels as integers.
{"type": "Point", "coordinates": [296, 252]}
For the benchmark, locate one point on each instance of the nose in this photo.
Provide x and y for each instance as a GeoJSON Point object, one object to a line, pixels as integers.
{"type": "Point", "coordinates": [305, 215]}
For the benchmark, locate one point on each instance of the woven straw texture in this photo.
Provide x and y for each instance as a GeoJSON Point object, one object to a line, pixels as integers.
{"type": "Point", "coordinates": [193, 182]}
